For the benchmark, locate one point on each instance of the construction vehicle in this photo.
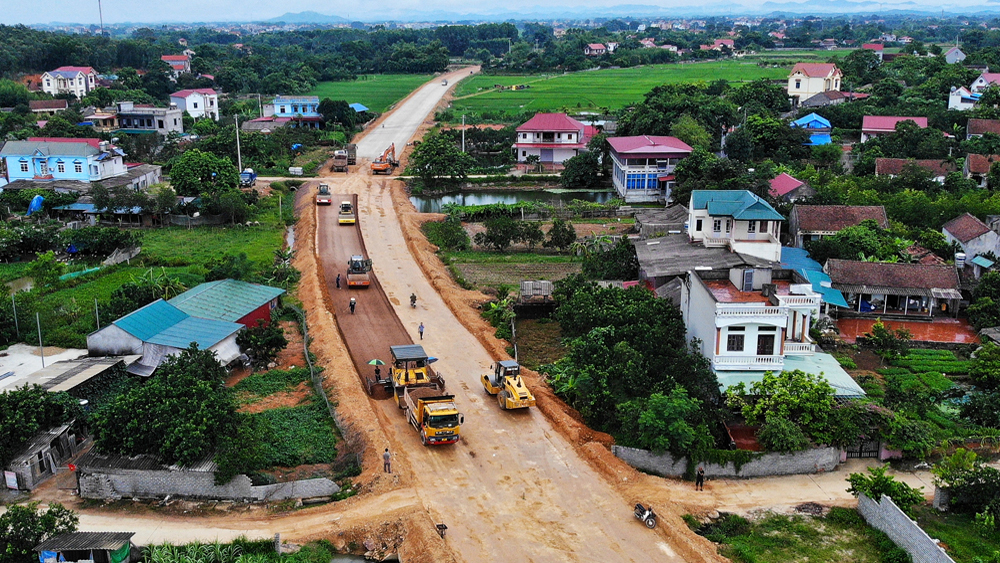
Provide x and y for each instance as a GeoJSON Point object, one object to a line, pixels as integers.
{"type": "Point", "coordinates": [434, 415]}
{"type": "Point", "coordinates": [409, 369]}
{"type": "Point", "coordinates": [386, 161]}
{"type": "Point", "coordinates": [323, 196]}
{"type": "Point", "coordinates": [357, 271]}
{"type": "Point", "coordinates": [505, 382]}
{"type": "Point", "coordinates": [340, 161]}
{"type": "Point", "coordinates": [346, 215]}
{"type": "Point", "coordinates": [248, 178]}
{"type": "Point", "coordinates": [352, 153]}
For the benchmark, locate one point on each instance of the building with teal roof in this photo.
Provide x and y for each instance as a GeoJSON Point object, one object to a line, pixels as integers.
{"type": "Point", "coordinates": [230, 300]}
{"type": "Point", "coordinates": [737, 219]}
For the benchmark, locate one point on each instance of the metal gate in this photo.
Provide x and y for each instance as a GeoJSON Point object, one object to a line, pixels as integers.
{"type": "Point", "coordinates": [863, 449]}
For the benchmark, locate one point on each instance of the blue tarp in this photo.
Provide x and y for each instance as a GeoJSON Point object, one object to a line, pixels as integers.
{"type": "Point", "coordinates": [35, 205]}
{"type": "Point", "coordinates": [819, 139]}
{"type": "Point", "coordinates": [812, 121]}
{"type": "Point", "coordinates": [358, 107]}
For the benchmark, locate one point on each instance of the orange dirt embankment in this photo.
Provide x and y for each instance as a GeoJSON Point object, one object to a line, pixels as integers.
{"type": "Point", "coordinates": [355, 415]}
{"type": "Point", "coordinates": [592, 445]}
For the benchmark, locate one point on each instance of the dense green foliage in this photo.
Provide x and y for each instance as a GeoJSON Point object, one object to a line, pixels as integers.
{"type": "Point", "coordinates": [28, 410]}
{"type": "Point", "coordinates": [262, 342]}
{"type": "Point", "coordinates": [438, 157]}
{"type": "Point", "coordinates": [801, 399]}
{"type": "Point", "coordinates": [23, 526]}
{"type": "Point", "coordinates": [448, 234]}
{"type": "Point", "coordinates": [876, 483]}
{"type": "Point", "coordinates": [888, 343]}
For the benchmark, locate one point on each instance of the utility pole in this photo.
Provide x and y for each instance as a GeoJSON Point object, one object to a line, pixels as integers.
{"type": "Point", "coordinates": [41, 348]}
{"type": "Point", "coordinates": [463, 132]}
{"type": "Point", "coordinates": [100, 13]}
{"type": "Point", "coordinates": [239, 156]}
{"type": "Point", "coordinates": [97, 314]}
{"type": "Point", "coordinates": [13, 306]}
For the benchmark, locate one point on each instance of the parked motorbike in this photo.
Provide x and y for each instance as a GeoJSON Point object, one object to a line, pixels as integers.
{"type": "Point", "coordinates": [646, 515]}
{"type": "Point", "coordinates": [413, 300]}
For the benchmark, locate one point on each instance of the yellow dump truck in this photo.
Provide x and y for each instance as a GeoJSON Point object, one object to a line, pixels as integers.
{"type": "Point", "coordinates": [434, 415]}
{"type": "Point", "coordinates": [505, 382]}
{"type": "Point", "coordinates": [346, 215]}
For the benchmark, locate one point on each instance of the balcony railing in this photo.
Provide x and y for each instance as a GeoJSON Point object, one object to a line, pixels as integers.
{"type": "Point", "coordinates": [749, 362]}
{"type": "Point", "coordinates": [748, 310]}
{"type": "Point", "coordinates": [812, 301]}
{"type": "Point", "coordinates": [715, 242]}
{"type": "Point", "coordinates": [799, 348]}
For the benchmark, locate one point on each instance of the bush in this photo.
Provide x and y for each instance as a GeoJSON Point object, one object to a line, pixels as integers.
{"type": "Point", "coordinates": [877, 483]}
{"type": "Point", "coordinates": [448, 234]}
{"type": "Point", "coordinates": [778, 434]}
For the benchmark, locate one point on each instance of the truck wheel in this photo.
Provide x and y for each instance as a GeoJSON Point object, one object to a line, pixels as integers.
{"type": "Point", "coordinates": [423, 440]}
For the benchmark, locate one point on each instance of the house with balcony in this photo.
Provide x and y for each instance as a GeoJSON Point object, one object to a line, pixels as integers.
{"type": "Point", "coordinates": [47, 160]}
{"type": "Point", "coordinates": [737, 220]}
{"type": "Point", "coordinates": [198, 102]}
{"type": "Point", "coordinates": [962, 99]}
{"type": "Point", "coordinates": [301, 111]}
{"type": "Point", "coordinates": [76, 80]}
{"type": "Point", "coordinates": [814, 222]}
{"type": "Point", "coordinates": [179, 64]}
{"type": "Point", "coordinates": [874, 289]}
{"type": "Point", "coordinates": [876, 125]}
{"type": "Point", "coordinates": [750, 321]}
{"type": "Point", "coordinates": [553, 137]}
{"type": "Point", "coordinates": [808, 79]}
{"type": "Point", "coordinates": [643, 166]}
{"type": "Point", "coordinates": [145, 118]}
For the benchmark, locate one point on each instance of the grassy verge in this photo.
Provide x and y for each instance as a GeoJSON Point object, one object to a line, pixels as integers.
{"type": "Point", "coordinates": [12, 271]}
{"type": "Point", "coordinates": [259, 385]}
{"type": "Point", "coordinates": [375, 91]}
{"type": "Point", "coordinates": [482, 257]}
{"type": "Point", "coordinates": [177, 246]}
{"type": "Point", "coordinates": [539, 342]}
{"type": "Point", "coordinates": [299, 436]}
{"type": "Point", "coordinates": [959, 534]}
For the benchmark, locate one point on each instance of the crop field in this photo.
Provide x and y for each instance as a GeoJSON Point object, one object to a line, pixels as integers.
{"type": "Point", "coordinates": [611, 88]}
{"type": "Point", "coordinates": [376, 91]}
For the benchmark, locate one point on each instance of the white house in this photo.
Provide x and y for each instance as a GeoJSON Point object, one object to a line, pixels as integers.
{"type": "Point", "coordinates": [984, 81]}
{"type": "Point", "coordinates": [179, 64]}
{"type": "Point", "coordinates": [972, 235]}
{"type": "Point", "coordinates": [736, 219]}
{"type": "Point", "coordinates": [808, 79]}
{"type": "Point", "coordinates": [954, 55]}
{"type": "Point", "coordinates": [198, 102]}
{"type": "Point", "coordinates": [643, 166]}
{"type": "Point", "coordinates": [553, 137]}
{"type": "Point", "coordinates": [76, 80]}
{"type": "Point", "coordinates": [962, 99]}
{"type": "Point", "coordinates": [595, 49]}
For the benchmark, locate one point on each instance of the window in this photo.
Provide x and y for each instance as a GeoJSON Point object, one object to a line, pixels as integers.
{"type": "Point", "coordinates": [752, 227]}
{"type": "Point", "coordinates": [282, 109]}
{"type": "Point", "coordinates": [763, 226]}
{"type": "Point", "coordinates": [43, 168]}
{"type": "Point", "coordinates": [697, 225]}
{"type": "Point", "coordinates": [195, 106]}
{"type": "Point", "coordinates": [734, 342]}
{"type": "Point", "coordinates": [729, 225]}
{"type": "Point", "coordinates": [24, 167]}
{"type": "Point", "coordinates": [765, 344]}
{"type": "Point", "coordinates": [524, 153]}
{"type": "Point", "coordinates": [61, 167]}
{"type": "Point", "coordinates": [798, 84]}
{"type": "Point", "coordinates": [159, 124]}
{"type": "Point", "coordinates": [78, 167]}
{"type": "Point", "coordinates": [716, 225]}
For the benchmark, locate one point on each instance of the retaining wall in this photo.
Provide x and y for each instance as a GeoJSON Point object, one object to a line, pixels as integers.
{"type": "Point", "coordinates": [816, 460]}
{"type": "Point", "coordinates": [134, 483]}
{"type": "Point", "coordinates": [905, 533]}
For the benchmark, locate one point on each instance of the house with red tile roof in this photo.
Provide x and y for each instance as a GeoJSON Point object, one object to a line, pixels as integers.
{"type": "Point", "coordinates": [47, 107]}
{"type": "Point", "coordinates": [553, 137]}
{"type": "Point", "coordinates": [984, 81]}
{"type": "Point", "coordinates": [875, 125]}
{"type": "Point", "coordinates": [877, 48]}
{"type": "Point", "coordinates": [972, 235]}
{"type": "Point", "coordinates": [76, 80]}
{"type": "Point", "coordinates": [977, 167]}
{"type": "Point", "coordinates": [179, 64]}
{"type": "Point", "coordinates": [979, 127]}
{"type": "Point", "coordinates": [813, 222]}
{"type": "Point", "coordinates": [198, 102]}
{"type": "Point", "coordinates": [876, 289]}
{"type": "Point", "coordinates": [891, 167]}
{"type": "Point", "coordinates": [808, 79]}
{"type": "Point", "coordinates": [595, 49]}
{"type": "Point", "coordinates": [788, 188]}
{"type": "Point", "coordinates": [643, 166]}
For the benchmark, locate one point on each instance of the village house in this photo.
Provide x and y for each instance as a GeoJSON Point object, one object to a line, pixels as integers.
{"type": "Point", "coordinates": [197, 102]}
{"type": "Point", "coordinates": [231, 301]}
{"type": "Point", "coordinates": [749, 321]}
{"type": "Point", "coordinates": [665, 258]}
{"type": "Point", "coordinates": [788, 188]}
{"type": "Point", "coordinates": [874, 125]}
{"type": "Point", "coordinates": [808, 79]}
{"type": "Point", "coordinates": [594, 49]}
{"type": "Point", "coordinates": [962, 99]}
{"type": "Point", "coordinates": [876, 48]}
{"type": "Point", "coordinates": [984, 81]}
{"type": "Point", "coordinates": [954, 55]}
{"type": "Point", "coordinates": [813, 222]}
{"type": "Point", "coordinates": [818, 126]}
{"type": "Point", "coordinates": [977, 167]}
{"type": "Point", "coordinates": [972, 235]}
{"type": "Point", "coordinates": [301, 111]}
{"type": "Point", "coordinates": [47, 107]}
{"type": "Point", "coordinates": [43, 455]}
{"type": "Point", "coordinates": [145, 118]}
{"type": "Point", "coordinates": [179, 64]}
{"type": "Point", "coordinates": [643, 166]}
{"type": "Point", "coordinates": [979, 127]}
{"type": "Point", "coordinates": [76, 80]}
{"type": "Point", "coordinates": [92, 547]}
{"type": "Point", "coordinates": [892, 167]}
{"type": "Point", "coordinates": [874, 289]}
{"type": "Point", "coordinates": [831, 98]}
{"type": "Point", "coordinates": [553, 137]}
{"type": "Point", "coordinates": [43, 159]}
{"type": "Point", "coordinates": [735, 219]}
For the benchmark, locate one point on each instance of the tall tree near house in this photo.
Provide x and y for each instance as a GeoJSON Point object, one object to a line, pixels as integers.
{"type": "Point", "coordinates": [23, 526]}
{"type": "Point", "coordinates": [437, 157]}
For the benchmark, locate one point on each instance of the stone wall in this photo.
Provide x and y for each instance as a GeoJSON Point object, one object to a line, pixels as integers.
{"type": "Point", "coordinates": [905, 533]}
{"type": "Point", "coordinates": [815, 460]}
{"type": "Point", "coordinates": [159, 483]}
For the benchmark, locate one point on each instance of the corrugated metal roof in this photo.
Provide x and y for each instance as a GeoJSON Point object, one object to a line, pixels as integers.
{"type": "Point", "coordinates": [84, 541]}
{"type": "Point", "coordinates": [151, 319]}
{"type": "Point", "coordinates": [982, 261]}
{"type": "Point", "coordinates": [225, 300]}
{"type": "Point", "coordinates": [408, 352]}
{"type": "Point", "coordinates": [738, 204]}
{"type": "Point", "coordinates": [206, 332]}
{"type": "Point", "coordinates": [47, 148]}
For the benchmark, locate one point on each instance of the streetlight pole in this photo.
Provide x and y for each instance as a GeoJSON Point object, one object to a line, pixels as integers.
{"type": "Point", "coordinates": [239, 155]}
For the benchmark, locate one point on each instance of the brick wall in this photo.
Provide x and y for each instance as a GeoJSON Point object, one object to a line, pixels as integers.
{"type": "Point", "coordinates": [816, 460]}
{"type": "Point", "coordinates": [128, 483]}
{"type": "Point", "coordinates": [905, 533]}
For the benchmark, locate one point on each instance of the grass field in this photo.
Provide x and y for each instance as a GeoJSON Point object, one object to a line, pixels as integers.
{"type": "Point", "coordinates": [611, 88]}
{"type": "Point", "coordinates": [959, 533]}
{"type": "Point", "coordinates": [376, 91]}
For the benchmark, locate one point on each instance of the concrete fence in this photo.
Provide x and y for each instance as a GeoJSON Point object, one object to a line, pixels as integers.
{"type": "Point", "coordinates": [201, 220]}
{"type": "Point", "coordinates": [888, 518]}
{"type": "Point", "coordinates": [816, 460]}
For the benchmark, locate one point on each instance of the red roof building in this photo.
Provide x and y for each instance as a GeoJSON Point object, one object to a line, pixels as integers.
{"type": "Point", "coordinates": [595, 49]}
{"type": "Point", "coordinates": [787, 187]}
{"type": "Point", "coordinates": [875, 125]}
{"type": "Point", "coordinates": [979, 127]}
{"type": "Point", "coordinates": [965, 227]}
{"type": "Point", "coordinates": [553, 137]}
{"type": "Point", "coordinates": [813, 222]}
{"type": "Point", "coordinates": [643, 166]}
{"type": "Point", "coordinates": [895, 166]}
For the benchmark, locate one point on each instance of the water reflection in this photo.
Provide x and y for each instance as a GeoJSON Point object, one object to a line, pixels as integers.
{"type": "Point", "coordinates": [426, 204]}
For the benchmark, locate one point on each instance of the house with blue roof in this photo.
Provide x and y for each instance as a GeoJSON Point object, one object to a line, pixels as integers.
{"type": "Point", "coordinates": [735, 219]}
{"type": "Point", "coordinates": [159, 330]}
{"type": "Point", "coordinates": [818, 126]}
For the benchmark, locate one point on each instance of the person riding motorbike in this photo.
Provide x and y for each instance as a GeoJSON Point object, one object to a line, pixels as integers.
{"type": "Point", "coordinates": [413, 300]}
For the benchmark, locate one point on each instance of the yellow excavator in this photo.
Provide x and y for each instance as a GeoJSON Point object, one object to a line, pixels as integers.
{"type": "Point", "coordinates": [505, 382]}
{"type": "Point", "coordinates": [386, 161]}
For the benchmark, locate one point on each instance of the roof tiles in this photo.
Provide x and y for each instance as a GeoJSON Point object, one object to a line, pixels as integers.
{"type": "Point", "coordinates": [551, 122]}
{"type": "Point", "coordinates": [966, 227]}
{"type": "Point", "coordinates": [836, 217]}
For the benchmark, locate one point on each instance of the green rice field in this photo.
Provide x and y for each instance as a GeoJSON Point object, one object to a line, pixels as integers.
{"type": "Point", "coordinates": [375, 91]}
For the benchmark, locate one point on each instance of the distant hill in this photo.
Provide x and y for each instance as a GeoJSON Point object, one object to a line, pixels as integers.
{"type": "Point", "coordinates": [307, 17]}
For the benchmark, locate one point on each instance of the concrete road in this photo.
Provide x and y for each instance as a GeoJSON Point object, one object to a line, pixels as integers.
{"type": "Point", "coordinates": [403, 122]}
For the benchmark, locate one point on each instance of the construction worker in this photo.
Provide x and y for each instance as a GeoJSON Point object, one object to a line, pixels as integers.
{"type": "Point", "coordinates": [354, 303]}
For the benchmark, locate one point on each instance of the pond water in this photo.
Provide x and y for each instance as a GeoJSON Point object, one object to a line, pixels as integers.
{"type": "Point", "coordinates": [432, 204]}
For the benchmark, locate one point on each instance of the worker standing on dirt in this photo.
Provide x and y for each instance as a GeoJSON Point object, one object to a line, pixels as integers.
{"type": "Point", "coordinates": [420, 329]}
{"type": "Point", "coordinates": [699, 479]}
{"type": "Point", "coordinates": [353, 304]}
{"type": "Point", "coordinates": [387, 461]}
{"type": "Point", "coordinates": [338, 281]}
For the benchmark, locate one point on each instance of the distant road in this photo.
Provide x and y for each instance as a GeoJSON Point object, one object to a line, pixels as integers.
{"type": "Point", "coordinates": [404, 120]}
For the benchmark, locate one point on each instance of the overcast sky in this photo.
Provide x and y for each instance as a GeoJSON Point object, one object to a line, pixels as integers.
{"type": "Point", "coordinates": [118, 11]}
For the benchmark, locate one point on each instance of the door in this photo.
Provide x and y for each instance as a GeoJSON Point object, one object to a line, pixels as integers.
{"type": "Point", "coordinates": [863, 449]}
{"type": "Point", "coordinates": [747, 280]}
{"type": "Point", "coordinates": [546, 155]}
{"type": "Point", "coordinates": [765, 344]}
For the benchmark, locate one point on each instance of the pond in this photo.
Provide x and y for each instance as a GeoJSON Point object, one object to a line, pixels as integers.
{"type": "Point", "coordinates": [556, 197]}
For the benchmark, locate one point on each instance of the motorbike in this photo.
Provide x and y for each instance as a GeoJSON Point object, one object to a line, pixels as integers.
{"type": "Point", "coordinates": [646, 515]}
{"type": "Point", "coordinates": [413, 301]}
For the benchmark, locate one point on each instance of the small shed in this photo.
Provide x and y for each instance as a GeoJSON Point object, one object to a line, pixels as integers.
{"type": "Point", "coordinates": [96, 547]}
{"type": "Point", "coordinates": [42, 456]}
{"type": "Point", "coordinates": [232, 301]}
{"type": "Point", "coordinates": [535, 292]}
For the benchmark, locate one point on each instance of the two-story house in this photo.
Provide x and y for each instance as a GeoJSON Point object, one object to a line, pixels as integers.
{"type": "Point", "coordinates": [875, 125]}
{"type": "Point", "coordinates": [179, 64]}
{"type": "Point", "coordinates": [643, 166]}
{"type": "Point", "coordinates": [877, 48]}
{"type": "Point", "coordinates": [954, 55]}
{"type": "Point", "coordinates": [813, 222]}
{"type": "Point", "coordinates": [42, 159]}
{"type": "Point", "coordinates": [962, 99]}
{"type": "Point", "coordinates": [984, 81]}
{"type": "Point", "coordinates": [303, 111]}
{"type": "Point", "coordinates": [198, 102]}
{"type": "Point", "coordinates": [594, 49]}
{"type": "Point", "coordinates": [76, 80]}
{"type": "Point", "coordinates": [808, 79]}
{"type": "Point", "coordinates": [553, 137]}
{"type": "Point", "coordinates": [143, 118]}
{"type": "Point", "coordinates": [736, 219]}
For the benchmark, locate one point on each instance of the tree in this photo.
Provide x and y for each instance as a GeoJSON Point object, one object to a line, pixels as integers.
{"type": "Point", "coordinates": [231, 266]}
{"type": "Point", "coordinates": [687, 129]}
{"type": "Point", "coordinates": [779, 434]}
{"type": "Point", "coordinates": [582, 171]}
{"type": "Point", "coordinates": [665, 422]}
{"type": "Point", "coordinates": [985, 366]}
{"type": "Point", "coordinates": [500, 233]}
{"type": "Point", "coordinates": [530, 233]}
{"type": "Point", "coordinates": [802, 398]}
{"type": "Point", "coordinates": [45, 270]}
{"type": "Point", "coordinates": [877, 483]}
{"type": "Point", "coordinates": [612, 261]}
{"type": "Point", "coordinates": [262, 342]}
{"type": "Point", "coordinates": [234, 207]}
{"type": "Point", "coordinates": [889, 344]}
{"type": "Point", "coordinates": [860, 67]}
{"type": "Point", "coordinates": [827, 155]}
{"type": "Point", "coordinates": [23, 526]}
{"type": "Point", "coordinates": [180, 415]}
{"type": "Point", "coordinates": [984, 311]}
{"type": "Point", "coordinates": [437, 157]}
{"type": "Point", "coordinates": [197, 172]}
{"type": "Point", "coordinates": [562, 235]}
{"type": "Point", "coordinates": [761, 96]}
